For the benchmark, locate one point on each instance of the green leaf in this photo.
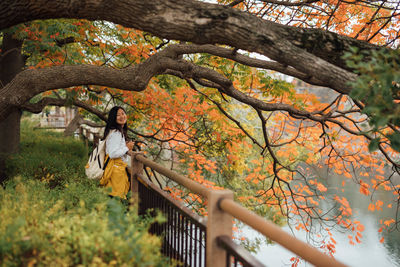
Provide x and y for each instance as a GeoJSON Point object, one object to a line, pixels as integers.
{"type": "Point", "coordinates": [395, 141]}
{"type": "Point", "coordinates": [374, 144]}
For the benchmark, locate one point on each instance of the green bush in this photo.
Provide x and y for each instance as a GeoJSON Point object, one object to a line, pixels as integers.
{"type": "Point", "coordinates": [41, 226]}
{"type": "Point", "coordinates": [51, 215]}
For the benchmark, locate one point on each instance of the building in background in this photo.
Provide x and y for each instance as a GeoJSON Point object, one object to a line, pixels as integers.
{"type": "Point", "coordinates": [56, 117]}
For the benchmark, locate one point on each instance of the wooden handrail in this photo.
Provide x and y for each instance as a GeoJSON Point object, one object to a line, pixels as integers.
{"type": "Point", "coordinates": [279, 236]}
{"type": "Point", "coordinates": [182, 180]}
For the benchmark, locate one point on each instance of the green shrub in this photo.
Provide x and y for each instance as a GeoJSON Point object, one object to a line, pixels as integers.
{"type": "Point", "coordinates": [52, 215]}
{"type": "Point", "coordinates": [41, 226]}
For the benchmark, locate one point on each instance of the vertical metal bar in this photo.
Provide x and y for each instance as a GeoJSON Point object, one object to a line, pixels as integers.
{"type": "Point", "coordinates": [155, 225]}
{"type": "Point", "coordinates": [145, 201]}
{"type": "Point", "coordinates": [186, 242]}
{"type": "Point", "coordinates": [147, 196]}
{"type": "Point", "coordinates": [183, 238]}
{"type": "Point", "coordinates": [191, 242]}
{"type": "Point", "coordinates": [169, 232]}
{"type": "Point", "coordinates": [195, 247]}
{"type": "Point", "coordinates": [143, 204]}
{"type": "Point", "coordinates": [164, 225]}
{"type": "Point", "coordinates": [166, 228]}
{"type": "Point", "coordinates": [160, 206]}
{"type": "Point", "coordinates": [158, 226]}
{"type": "Point", "coordinates": [173, 237]}
{"type": "Point", "coordinates": [154, 206]}
{"type": "Point", "coordinates": [172, 233]}
{"type": "Point", "coordinates": [179, 237]}
{"type": "Point", "coordinates": [181, 219]}
{"type": "Point", "coordinates": [200, 248]}
{"type": "Point", "coordinates": [171, 229]}
{"type": "Point", "coordinates": [142, 197]}
{"type": "Point", "coordinates": [205, 243]}
{"type": "Point", "coordinates": [175, 234]}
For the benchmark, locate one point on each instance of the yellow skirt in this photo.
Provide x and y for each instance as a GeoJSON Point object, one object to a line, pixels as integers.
{"type": "Point", "coordinates": [115, 176]}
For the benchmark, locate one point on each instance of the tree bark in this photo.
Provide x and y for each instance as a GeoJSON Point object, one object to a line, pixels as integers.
{"type": "Point", "coordinates": [11, 62]}
{"type": "Point", "coordinates": [31, 82]}
{"type": "Point", "coordinates": [316, 53]}
{"type": "Point", "coordinates": [73, 125]}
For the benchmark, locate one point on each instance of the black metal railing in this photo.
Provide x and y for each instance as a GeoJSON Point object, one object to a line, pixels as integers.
{"type": "Point", "coordinates": [236, 255]}
{"type": "Point", "coordinates": [183, 233]}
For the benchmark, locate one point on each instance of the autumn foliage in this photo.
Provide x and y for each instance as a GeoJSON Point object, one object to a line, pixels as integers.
{"type": "Point", "coordinates": [265, 156]}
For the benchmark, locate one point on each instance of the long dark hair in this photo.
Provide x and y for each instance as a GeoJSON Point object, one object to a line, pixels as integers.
{"type": "Point", "coordinates": [112, 123]}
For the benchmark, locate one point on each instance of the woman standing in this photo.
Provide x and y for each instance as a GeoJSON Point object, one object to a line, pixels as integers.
{"type": "Point", "coordinates": [117, 147]}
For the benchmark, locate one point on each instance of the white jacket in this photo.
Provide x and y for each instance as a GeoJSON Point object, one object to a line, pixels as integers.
{"type": "Point", "coordinates": [116, 146]}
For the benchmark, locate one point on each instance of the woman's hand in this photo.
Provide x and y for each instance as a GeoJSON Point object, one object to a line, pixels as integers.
{"type": "Point", "coordinates": [130, 144]}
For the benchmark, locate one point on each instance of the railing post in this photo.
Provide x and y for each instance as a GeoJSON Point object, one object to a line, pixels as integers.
{"type": "Point", "coordinates": [85, 135]}
{"type": "Point", "coordinates": [136, 169]}
{"type": "Point", "coordinates": [219, 223]}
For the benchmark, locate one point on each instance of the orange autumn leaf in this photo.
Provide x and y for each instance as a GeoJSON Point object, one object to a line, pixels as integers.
{"type": "Point", "coordinates": [360, 227]}
{"type": "Point", "coordinates": [371, 207]}
{"type": "Point", "coordinates": [379, 205]}
{"type": "Point", "coordinates": [364, 188]}
{"type": "Point", "coordinates": [388, 222]}
{"type": "Point", "coordinates": [321, 187]}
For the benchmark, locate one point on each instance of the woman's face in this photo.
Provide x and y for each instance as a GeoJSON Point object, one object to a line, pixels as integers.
{"type": "Point", "coordinates": [121, 117]}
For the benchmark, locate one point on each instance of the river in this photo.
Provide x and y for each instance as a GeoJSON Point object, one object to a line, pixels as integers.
{"type": "Point", "coordinates": [369, 253]}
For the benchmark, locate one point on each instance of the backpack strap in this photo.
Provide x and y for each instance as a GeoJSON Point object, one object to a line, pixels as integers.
{"type": "Point", "coordinates": [106, 162]}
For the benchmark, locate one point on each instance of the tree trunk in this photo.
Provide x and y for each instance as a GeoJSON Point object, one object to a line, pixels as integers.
{"type": "Point", "coordinates": [73, 125]}
{"type": "Point", "coordinates": [11, 63]}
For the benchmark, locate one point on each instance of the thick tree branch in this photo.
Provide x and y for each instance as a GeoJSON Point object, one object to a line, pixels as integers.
{"type": "Point", "coordinates": [245, 60]}
{"type": "Point", "coordinates": [48, 101]}
{"type": "Point", "coordinates": [288, 3]}
{"type": "Point", "coordinates": [314, 52]}
{"type": "Point", "coordinates": [65, 41]}
{"type": "Point", "coordinates": [31, 82]}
